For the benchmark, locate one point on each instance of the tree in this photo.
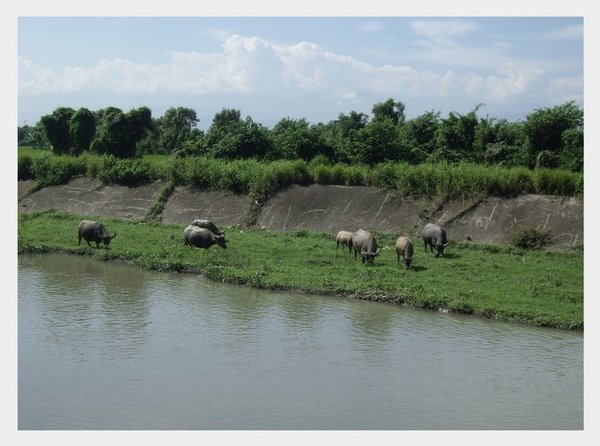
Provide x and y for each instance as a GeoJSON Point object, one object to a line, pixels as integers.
{"type": "Point", "coordinates": [294, 139]}
{"type": "Point", "coordinates": [389, 110]}
{"type": "Point", "coordinates": [82, 128]}
{"type": "Point", "coordinates": [418, 137]}
{"type": "Point", "coordinates": [119, 132]}
{"type": "Point", "coordinates": [175, 128]}
{"type": "Point", "coordinates": [150, 141]}
{"type": "Point", "coordinates": [340, 134]}
{"type": "Point", "coordinates": [376, 142]}
{"type": "Point", "coordinates": [33, 136]}
{"type": "Point", "coordinates": [224, 123]}
{"type": "Point", "coordinates": [230, 137]}
{"type": "Point", "coordinates": [485, 133]}
{"type": "Point", "coordinates": [571, 156]}
{"type": "Point", "coordinates": [509, 133]}
{"type": "Point", "coordinates": [57, 129]}
{"type": "Point", "coordinates": [137, 122]}
{"type": "Point", "coordinates": [225, 117]}
{"type": "Point", "coordinates": [456, 136]}
{"type": "Point", "coordinates": [110, 128]}
{"type": "Point", "coordinates": [544, 127]}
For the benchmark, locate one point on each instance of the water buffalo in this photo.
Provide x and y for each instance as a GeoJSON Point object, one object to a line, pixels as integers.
{"type": "Point", "coordinates": [202, 237]}
{"type": "Point", "coordinates": [364, 243]}
{"type": "Point", "coordinates": [404, 249]}
{"type": "Point", "coordinates": [207, 224]}
{"type": "Point", "coordinates": [92, 231]}
{"type": "Point", "coordinates": [344, 238]}
{"type": "Point", "coordinates": [435, 236]}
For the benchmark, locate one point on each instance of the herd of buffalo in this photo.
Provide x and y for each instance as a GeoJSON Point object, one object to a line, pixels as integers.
{"type": "Point", "coordinates": [363, 243]}
{"type": "Point", "coordinates": [204, 234]}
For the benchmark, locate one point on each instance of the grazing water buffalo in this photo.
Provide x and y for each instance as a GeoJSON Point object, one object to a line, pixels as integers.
{"type": "Point", "coordinates": [92, 231]}
{"type": "Point", "coordinates": [207, 224]}
{"type": "Point", "coordinates": [365, 244]}
{"type": "Point", "coordinates": [404, 249]}
{"type": "Point", "coordinates": [344, 238]}
{"type": "Point", "coordinates": [435, 236]}
{"type": "Point", "coordinates": [202, 237]}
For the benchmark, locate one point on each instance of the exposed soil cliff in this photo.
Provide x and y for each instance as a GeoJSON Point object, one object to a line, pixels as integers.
{"type": "Point", "coordinates": [324, 209]}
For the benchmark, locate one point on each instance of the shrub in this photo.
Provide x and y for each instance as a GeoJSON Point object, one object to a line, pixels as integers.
{"type": "Point", "coordinates": [128, 172]}
{"type": "Point", "coordinates": [49, 170]}
{"type": "Point", "coordinates": [24, 171]}
{"type": "Point", "coordinates": [530, 238]}
{"type": "Point", "coordinates": [555, 182]}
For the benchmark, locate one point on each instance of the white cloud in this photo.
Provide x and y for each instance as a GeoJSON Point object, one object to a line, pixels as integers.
{"type": "Point", "coordinates": [566, 89]}
{"type": "Point", "coordinates": [510, 82]}
{"type": "Point", "coordinates": [253, 66]}
{"type": "Point", "coordinates": [442, 31]}
{"type": "Point", "coordinates": [370, 26]}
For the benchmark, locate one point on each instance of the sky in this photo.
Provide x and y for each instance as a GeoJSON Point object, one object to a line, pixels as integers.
{"type": "Point", "coordinates": [297, 67]}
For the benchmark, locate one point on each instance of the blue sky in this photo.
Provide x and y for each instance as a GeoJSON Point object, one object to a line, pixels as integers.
{"type": "Point", "coordinates": [299, 67]}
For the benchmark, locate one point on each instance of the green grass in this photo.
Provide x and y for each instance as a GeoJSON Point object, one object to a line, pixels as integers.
{"type": "Point", "coordinates": [262, 178]}
{"type": "Point", "coordinates": [535, 287]}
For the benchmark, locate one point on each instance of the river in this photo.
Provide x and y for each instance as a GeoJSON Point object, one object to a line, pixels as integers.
{"type": "Point", "coordinates": [110, 346]}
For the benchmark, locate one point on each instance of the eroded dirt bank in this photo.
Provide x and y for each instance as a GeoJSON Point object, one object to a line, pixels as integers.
{"type": "Point", "coordinates": [322, 208]}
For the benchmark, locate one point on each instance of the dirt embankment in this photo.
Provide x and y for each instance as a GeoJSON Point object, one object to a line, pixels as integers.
{"type": "Point", "coordinates": [324, 209]}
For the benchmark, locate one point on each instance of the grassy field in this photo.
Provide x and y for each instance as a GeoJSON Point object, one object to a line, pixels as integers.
{"type": "Point", "coordinates": [535, 287]}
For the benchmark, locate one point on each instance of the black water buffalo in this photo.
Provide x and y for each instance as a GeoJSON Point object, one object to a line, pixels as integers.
{"type": "Point", "coordinates": [92, 231]}
{"type": "Point", "coordinates": [207, 224]}
{"type": "Point", "coordinates": [202, 237]}
{"type": "Point", "coordinates": [435, 236]}
{"type": "Point", "coordinates": [404, 249]}
{"type": "Point", "coordinates": [364, 243]}
{"type": "Point", "coordinates": [344, 238]}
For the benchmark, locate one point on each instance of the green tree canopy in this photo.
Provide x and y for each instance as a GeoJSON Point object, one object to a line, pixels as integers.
{"type": "Point", "coordinates": [544, 127]}
{"type": "Point", "coordinates": [295, 138]}
{"type": "Point", "coordinates": [119, 132]}
{"type": "Point", "coordinates": [456, 136]}
{"type": "Point", "coordinates": [389, 109]}
{"type": "Point", "coordinates": [175, 128]}
{"type": "Point", "coordinates": [230, 137]}
{"type": "Point", "coordinates": [418, 137]}
{"type": "Point", "coordinates": [376, 142]}
{"type": "Point", "coordinates": [57, 129]}
{"type": "Point", "coordinates": [82, 128]}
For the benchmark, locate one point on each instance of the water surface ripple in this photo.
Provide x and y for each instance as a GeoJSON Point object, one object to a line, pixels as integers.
{"type": "Point", "coordinates": [107, 346]}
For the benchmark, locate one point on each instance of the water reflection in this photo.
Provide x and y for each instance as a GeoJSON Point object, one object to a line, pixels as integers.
{"type": "Point", "coordinates": [82, 302]}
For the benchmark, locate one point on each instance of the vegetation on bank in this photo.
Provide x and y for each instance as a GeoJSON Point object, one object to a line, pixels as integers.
{"type": "Point", "coordinates": [548, 137]}
{"type": "Point", "coordinates": [262, 178]}
{"type": "Point", "coordinates": [500, 282]}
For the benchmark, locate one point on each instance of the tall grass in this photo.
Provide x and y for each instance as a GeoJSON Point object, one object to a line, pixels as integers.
{"type": "Point", "coordinates": [49, 170]}
{"type": "Point", "coordinates": [239, 176]}
{"type": "Point", "coordinates": [261, 178]}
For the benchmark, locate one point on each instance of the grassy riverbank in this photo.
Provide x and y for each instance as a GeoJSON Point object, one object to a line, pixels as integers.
{"type": "Point", "coordinates": [541, 288]}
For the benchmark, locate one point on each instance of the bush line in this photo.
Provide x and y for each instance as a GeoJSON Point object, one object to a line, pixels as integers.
{"type": "Point", "coordinates": [260, 179]}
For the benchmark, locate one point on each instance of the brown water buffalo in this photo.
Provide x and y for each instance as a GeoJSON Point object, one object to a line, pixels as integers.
{"type": "Point", "coordinates": [344, 238]}
{"type": "Point", "coordinates": [92, 231]}
{"type": "Point", "coordinates": [404, 249]}
{"type": "Point", "coordinates": [364, 243]}
{"type": "Point", "coordinates": [202, 238]}
{"type": "Point", "coordinates": [435, 236]}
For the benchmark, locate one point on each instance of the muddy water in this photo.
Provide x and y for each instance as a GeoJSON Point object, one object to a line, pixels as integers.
{"type": "Point", "coordinates": [106, 346]}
